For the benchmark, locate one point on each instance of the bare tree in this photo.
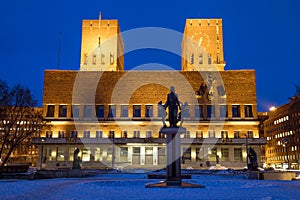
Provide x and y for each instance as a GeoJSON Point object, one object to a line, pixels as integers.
{"type": "Point", "coordinates": [19, 120]}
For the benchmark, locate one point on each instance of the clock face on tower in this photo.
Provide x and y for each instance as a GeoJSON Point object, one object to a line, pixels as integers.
{"type": "Point", "coordinates": [200, 39]}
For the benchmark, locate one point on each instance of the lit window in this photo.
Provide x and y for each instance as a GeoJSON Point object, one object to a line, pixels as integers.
{"type": "Point", "coordinates": [211, 134]}
{"type": "Point", "coordinates": [199, 134]}
{"type": "Point", "coordinates": [49, 134]}
{"type": "Point", "coordinates": [224, 134]}
{"type": "Point", "coordinates": [250, 134]}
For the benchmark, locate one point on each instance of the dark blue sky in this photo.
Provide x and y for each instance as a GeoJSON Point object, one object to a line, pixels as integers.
{"type": "Point", "coordinates": [258, 34]}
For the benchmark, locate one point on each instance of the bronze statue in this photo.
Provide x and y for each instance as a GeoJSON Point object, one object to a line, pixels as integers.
{"type": "Point", "coordinates": [173, 104]}
{"type": "Point", "coordinates": [76, 159]}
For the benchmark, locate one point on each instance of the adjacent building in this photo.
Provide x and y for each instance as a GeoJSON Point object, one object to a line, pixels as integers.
{"type": "Point", "coordinates": [282, 131]}
{"type": "Point", "coordinates": [112, 115]}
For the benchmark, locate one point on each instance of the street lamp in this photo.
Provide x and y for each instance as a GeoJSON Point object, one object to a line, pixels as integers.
{"type": "Point", "coordinates": [41, 159]}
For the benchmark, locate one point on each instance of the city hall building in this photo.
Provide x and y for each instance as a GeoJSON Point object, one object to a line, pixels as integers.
{"type": "Point", "coordinates": [112, 115]}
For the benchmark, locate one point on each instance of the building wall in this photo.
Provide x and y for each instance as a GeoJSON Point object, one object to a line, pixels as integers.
{"type": "Point", "coordinates": [282, 132]}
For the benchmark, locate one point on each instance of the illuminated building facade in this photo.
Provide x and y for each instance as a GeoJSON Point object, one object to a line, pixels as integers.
{"type": "Point", "coordinates": [112, 115]}
{"type": "Point", "coordinates": [282, 131]}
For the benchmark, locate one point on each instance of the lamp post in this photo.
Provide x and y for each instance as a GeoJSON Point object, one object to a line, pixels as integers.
{"type": "Point", "coordinates": [247, 151]}
{"type": "Point", "coordinates": [41, 159]}
{"type": "Point", "coordinates": [285, 141]}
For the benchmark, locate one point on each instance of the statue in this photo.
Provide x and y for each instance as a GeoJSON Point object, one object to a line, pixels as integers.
{"type": "Point", "coordinates": [183, 113]}
{"type": "Point", "coordinates": [162, 112]}
{"type": "Point", "coordinates": [76, 159]}
{"type": "Point", "coordinates": [253, 159]}
{"type": "Point", "coordinates": [173, 104]}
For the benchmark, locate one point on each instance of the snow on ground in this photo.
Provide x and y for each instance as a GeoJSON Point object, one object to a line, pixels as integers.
{"type": "Point", "coordinates": [132, 186]}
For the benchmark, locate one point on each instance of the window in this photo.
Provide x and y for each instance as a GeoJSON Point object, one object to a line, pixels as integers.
{"type": "Point", "coordinates": [199, 134]}
{"type": "Point", "coordinates": [102, 59]}
{"type": "Point", "coordinates": [221, 91]}
{"type": "Point", "coordinates": [149, 134]}
{"type": "Point", "coordinates": [112, 111]}
{"type": "Point", "coordinates": [192, 59]}
{"type": "Point", "coordinates": [238, 154]}
{"type": "Point", "coordinates": [136, 111]}
{"type": "Point", "coordinates": [62, 111]}
{"type": "Point", "coordinates": [224, 154]}
{"type": "Point", "coordinates": [161, 151]}
{"type": "Point", "coordinates": [86, 154]}
{"type": "Point", "coordinates": [61, 134]}
{"type": "Point", "coordinates": [223, 111]}
{"type": "Point", "coordinates": [124, 134]}
{"type": "Point", "coordinates": [186, 134]}
{"type": "Point", "coordinates": [124, 152]}
{"type": "Point", "coordinates": [212, 154]}
{"type": "Point", "coordinates": [75, 111]}
{"type": "Point", "coordinates": [236, 111]}
{"type": "Point", "coordinates": [198, 111]}
{"type": "Point", "coordinates": [237, 134]}
{"type": "Point", "coordinates": [49, 134]}
{"type": "Point", "coordinates": [136, 134]}
{"type": "Point", "coordinates": [99, 134]}
{"type": "Point", "coordinates": [50, 111]}
{"type": "Point", "coordinates": [186, 155]}
{"type": "Point", "coordinates": [149, 111]}
{"type": "Point", "coordinates": [88, 111]}
{"type": "Point", "coordinates": [149, 150]}
{"type": "Point", "coordinates": [60, 153]}
{"type": "Point", "coordinates": [210, 111]}
{"type": "Point", "coordinates": [124, 111]}
{"type": "Point", "coordinates": [94, 59]}
{"type": "Point", "coordinates": [201, 59]}
{"type": "Point", "coordinates": [248, 111]}
{"type": "Point", "coordinates": [211, 134]}
{"type": "Point", "coordinates": [199, 154]}
{"type": "Point", "coordinates": [111, 134]}
{"type": "Point", "coordinates": [85, 58]}
{"type": "Point", "coordinates": [74, 134]}
{"type": "Point", "coordinates": [250, 134]}
{"type": "Point", "coordinates": [100, 111]}
{"type": "Point", "coordinates": [111, 58]}
{"type": "Point", "coordinates": [136, 150]}
{"type": "Point", "coordinates": [224, 134]}
{"type": "Point", "coordinates": [86, 134]}
{"type": "Point", "coordinates": [209, 59]}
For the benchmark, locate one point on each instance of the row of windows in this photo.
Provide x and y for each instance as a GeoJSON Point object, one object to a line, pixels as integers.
{"type": "Point", "coordinates": [149, 134]}
{"type": "Point", "coordinates": [136, 111]}
{"type": "Point", "coordinates": [283, 149]}
{"type": "Point", "coordinates": [284, 158]}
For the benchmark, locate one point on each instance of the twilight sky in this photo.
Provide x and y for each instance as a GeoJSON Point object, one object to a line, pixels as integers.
{"type": "Point", "coordinates": [258, 34]}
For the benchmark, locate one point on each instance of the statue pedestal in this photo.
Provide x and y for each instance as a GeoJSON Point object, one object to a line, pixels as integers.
{"type": "Point", "coordinates": [173, 168]}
